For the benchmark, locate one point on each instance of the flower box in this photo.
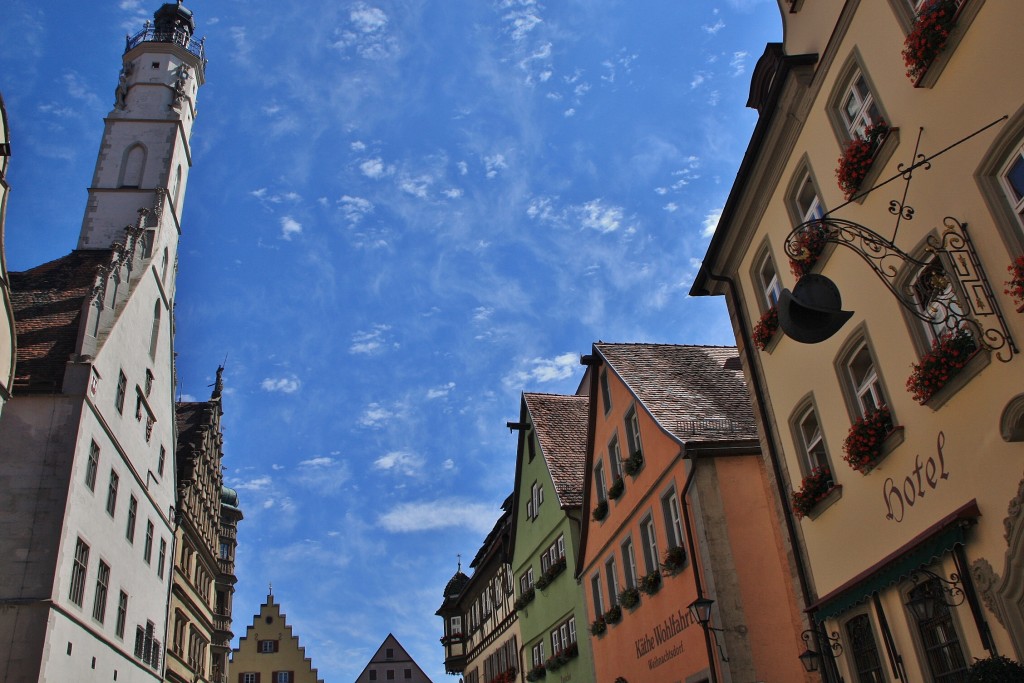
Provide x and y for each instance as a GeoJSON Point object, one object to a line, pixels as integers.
{"type": "Point", "coordinates": [616, 489]}
{"type": "Point", "coordinates": [947, 357]}
{"type": "Point", "coordinates": [674, 559]}
{"type": "Point", "coordinates": [613, 616]}
{"type": "Point", "coordinates": [600, 511]}
{"type": "Point", "coordinates": [543, 581]}
{"type": "Point", "coordinates": [808, 244]}
{"type": "Point", "coordinates": [551, 573]}
{"type": "Point", "coordinates": [1015, 285]}
{"type": "Point", "coordinates": [525, 599]}
{"type": "Point", "coordinates": [858, 157]}
{"type": "Point", "coordinates": [766, 327]}
{"type": "Point", "coordinates": [927, 39]}
{"type": "Point", "coordinates": [508, 676]}
{"type": "Point", "coordinates": [864, 444]}
{"type": "Point", "coordinates": [453, 638]}
{"type": "Point", "coordinates": [651, 583]}
{"type": "Point", "coordinates": [536, 673]}
{"type": "Point", "coordinates": [633, 464]}
{"type": "Point", "coordinates": [598, 627]}
{"type": "Point", "coordinates": [813, 489]}
{"type": "Point", "coordinates": [629, 598]}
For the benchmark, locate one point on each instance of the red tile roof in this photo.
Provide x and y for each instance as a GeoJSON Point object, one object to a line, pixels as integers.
{"type": "Point", "coordinates": [561, 424]}
{"type": "Point", "coordinates": [47, 303]}
{"type": "Point", "coordinates": [697, 393]}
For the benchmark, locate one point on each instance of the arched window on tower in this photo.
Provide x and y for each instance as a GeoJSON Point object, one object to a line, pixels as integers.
{"type": "Point", "coordinates": [155, 337]}
{"type": "Point", "coordinates": [133, 166]}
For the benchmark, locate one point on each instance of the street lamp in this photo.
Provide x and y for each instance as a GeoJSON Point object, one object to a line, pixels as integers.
{"type": "Point", "coordinates": [701, 610]}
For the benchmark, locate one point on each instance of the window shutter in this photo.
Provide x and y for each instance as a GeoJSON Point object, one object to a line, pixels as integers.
{"type": "Point", "coordinates": [277, 645]}
{"type": "Point", "coordinates": [257, 677]}
{"type": "Point", "coordinates": [240, 679]}
{"type": "Point", "coordinates": [291, 677]}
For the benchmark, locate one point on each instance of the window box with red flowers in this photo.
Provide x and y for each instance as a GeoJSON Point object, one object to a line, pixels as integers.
{"type": "Point", "coordinates": [674, 560]}
{"type": "Point", "coordinates": [808, 243]}
{"type": "Point", "coordinates": [616, 489]}
{"type": "Point", "coordinates": [927, 39]}
{"type": "Point", "coordinates": [871, 438]}
{"type": "Point", "coordinates": [551, 573]}
{"type": "Point", "coordinates": [633, 464]}
{"type": "Point", "coordinates": [536, 673]}
{"type": "Point", "coordinates": [629, 598]}
{"type": "Point", "coordinates": [525, 599]}
{"type": "Point", "coordinates": [948, 356]}
{"type": "Point", "coordinates": [766, 328]}
{"type": "Point", "coordinates": [814, 489]}
{"type": "Point", "coordinates": [600, 511]}
{"type": "Point", "coordinates": [598, 627]}
{"type": "Point", "coordinates": [1015, 285]}
{"type": "Point", "coordinates": [614, 615]}
{"type": "Point", "coordinates": [858, 158]}
{"type": "Point", "coordinates": [453, 638]}
{"type": "Point", "coordinates": [651, 583]}
{"type": "Point", "coordinates": [508, 676]}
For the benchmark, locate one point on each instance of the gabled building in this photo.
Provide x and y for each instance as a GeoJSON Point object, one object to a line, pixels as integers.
{"type": "Point", "coordinates": [270, 652]}
{"type": "Point", "coordinates": [546, 524]}
{"type": "Point", "coordinates": [8, 340]}
{"type": "Point", "coordinates": [87, 437]}
{"type": "Point", "coordinates": [481, 632]}
{"type": "Point", "coordinates": [392, 663]}
{"type": "Point", "coordinates": [194, 616]}
{"type": "Point", "coordinates": [679, 510]}
{"type": "Point", "coordinates": [864, 253]}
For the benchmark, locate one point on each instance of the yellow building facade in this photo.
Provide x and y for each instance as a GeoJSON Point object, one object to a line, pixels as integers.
{"type": "Point", "coordinates": [270, 652]}
{"type": "Point", "coordinates": [876, 219]}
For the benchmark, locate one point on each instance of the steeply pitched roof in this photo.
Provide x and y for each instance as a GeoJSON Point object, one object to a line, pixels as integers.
{"type": "Point", "coordinates": [47, 303]}
{"type": "Point", "coordinates": [190, 417]}
{"type": "Point", "coordinates": [561, 425]}
{"type": "Point", "coordinates": [697, 393]}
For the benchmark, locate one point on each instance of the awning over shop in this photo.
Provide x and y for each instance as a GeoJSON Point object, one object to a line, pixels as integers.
{"type": "Point", "coordinates": [924, 549]}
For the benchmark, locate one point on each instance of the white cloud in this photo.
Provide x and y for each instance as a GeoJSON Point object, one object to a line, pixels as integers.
{"type": "Point", "coordinates": [452, 193]}
{"type": "Point", "coordinates": [440, 514]}
{"type": "Point", "coordinates": [258, 484]}
{"type": "Point", "coordinates": [494, 163]}
{"type": "Point", "coordinates": [401, 462]}
{"type": "Point", "coordinates": [357, 146]}
{"type": "Point", "coordinates": [286, 385]}
{"type": "Point", "coordinates": [713, 29]}
{"type": "Point", "coordinates": [368, 19]}
{"type": "Point", "coordinates": [322, 474]}
{"type": "Point", "coordinates": [711, 222]}
{"type": "Point", "coordinates": [463, 167]}
{"type": "Point", "coordinates": [441, 391]}
{"type": "Point", "coordinates": [369, 341]}
{"type": "Point", "coordinates": [366, 34]}
{"type": "Point", "coordinates": [671, 207]}
{"type": "Point", "coordinates": [290, 227]}
{"type": "Point", "coordinates": [417, 187]}
{"type": "Point", "coordinates": [448, 464]}
{"type": "Point", "coordinates": [543, 370]}
{"type": "Point", "coordinates": [375, 414]}
{"type": "Point", "coordinates": [569, 113]}
{"type": "Point", "coordinates": [354, 208]}
{"type": "Point", "coordinates": [375, 168]}
{"type": "Point", "coordinates": [739, 63]}
{"type": "Point", "coordinates": [595, 215]}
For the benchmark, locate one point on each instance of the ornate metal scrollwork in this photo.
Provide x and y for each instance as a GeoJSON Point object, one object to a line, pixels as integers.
{"type": "Point", "coordinates": [930, 295]}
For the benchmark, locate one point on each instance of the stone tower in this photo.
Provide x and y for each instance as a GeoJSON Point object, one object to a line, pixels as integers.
{"type": "Point", "coordinates": [87, 439]}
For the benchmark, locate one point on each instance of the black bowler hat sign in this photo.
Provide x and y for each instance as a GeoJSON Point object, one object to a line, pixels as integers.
{"type": "Point", "coordinates": [812, 312]}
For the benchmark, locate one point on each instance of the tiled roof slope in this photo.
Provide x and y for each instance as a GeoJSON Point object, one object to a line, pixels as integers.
{"type": "Point", "coordinates": [561, 424]}
{"type": "Point", "coordinates": [190, 417]}
{"type": "Point", "coordinates": [47, 303]}
{"type": "Point", "coordinates": [697, 393]}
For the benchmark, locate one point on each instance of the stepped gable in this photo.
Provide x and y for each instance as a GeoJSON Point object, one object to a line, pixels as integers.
{"type": "Point", "coordinates": [561, 424]}
{"type": "Point", "coordinates": [697, 393]}
{"type": "Point", "coordinates": [48, 302]}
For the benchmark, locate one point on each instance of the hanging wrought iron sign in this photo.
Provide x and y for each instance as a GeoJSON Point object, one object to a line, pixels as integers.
{"type": "Point", "coordinates": [946, 288]}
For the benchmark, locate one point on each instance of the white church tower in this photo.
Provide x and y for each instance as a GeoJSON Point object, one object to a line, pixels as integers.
{"type": "Point", "coordinates": [87, 439]}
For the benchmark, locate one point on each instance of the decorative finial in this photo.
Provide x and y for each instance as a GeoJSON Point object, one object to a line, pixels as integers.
{"type": "Point", "coordinates": [459, 555]}
{"type": "Point", "coordinates": [270, 585]}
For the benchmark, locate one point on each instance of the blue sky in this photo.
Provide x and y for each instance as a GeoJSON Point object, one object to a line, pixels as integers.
{"type": "Point", "coordinates": [401, 214]}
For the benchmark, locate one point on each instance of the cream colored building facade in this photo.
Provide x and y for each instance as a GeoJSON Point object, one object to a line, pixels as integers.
{"type": "Point", "coordinates": [270, 652]}
{"type": "Point", "coordinates": [938, 514]}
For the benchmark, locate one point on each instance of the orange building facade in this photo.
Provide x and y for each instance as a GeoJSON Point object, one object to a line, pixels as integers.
{"type": "Point", "coordinates": [680, 509]}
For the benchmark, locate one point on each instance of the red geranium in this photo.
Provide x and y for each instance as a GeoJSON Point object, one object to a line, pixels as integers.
{"type": "Point", "coordinates": [1015, 285]}
{"type": "Point", "coordinates": [928, 38]}
{"type": "Point", "coordinates": [766, 328]}
{"type": "Point", "coordinates": [863, 445]}
{"type": "Point", "coordinates": [858, 157]}
{"type": "Point", "coordinates": [813, 489]}
{"type": "Point", "coordinates": [808, 244]}
{"type": "Point", "coordinates": [948, 355]}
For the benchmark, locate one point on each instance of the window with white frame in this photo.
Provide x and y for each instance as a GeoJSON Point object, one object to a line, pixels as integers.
{"type": "Point", "coordinates": [673, 520]}
{"type": "Point", "coordinates": [768, 281]}
{"type": "Point", "coordinates": [537, 653]}
{"type": "Point", "coordinates": [1012, 179]}
{"type": "Point", "coordinates": [810, 440]}
{"type": "Point", "coordinates": [600, 487]}
{"type": "Point", "coordinates": [99, 602]}
{"type": "Point", "coordinates": [629, 562]}
{"type": "Point", "coordinates": [595, 591]}
{"type": "Point", "coordinates": [615, 458]}
{"type": "Point", "coordinates": [633, 432]}
{"type": "Point", "coordinates": [268, 646]}
{"type": "Point", "coordinates": [862, 378]}
{"type": "Point", "coordinates": [250, 678]}
{"type": "Point", "coordinates": [858, 108]}
{"type": "Point", "coordinates": [806, 198]}
{"type": "Point", "coordinates": [650, 544]}
{"type": "Point", "coordinates": [78, 571]}
{"type": "Point", "coordinates": [612, 578]}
